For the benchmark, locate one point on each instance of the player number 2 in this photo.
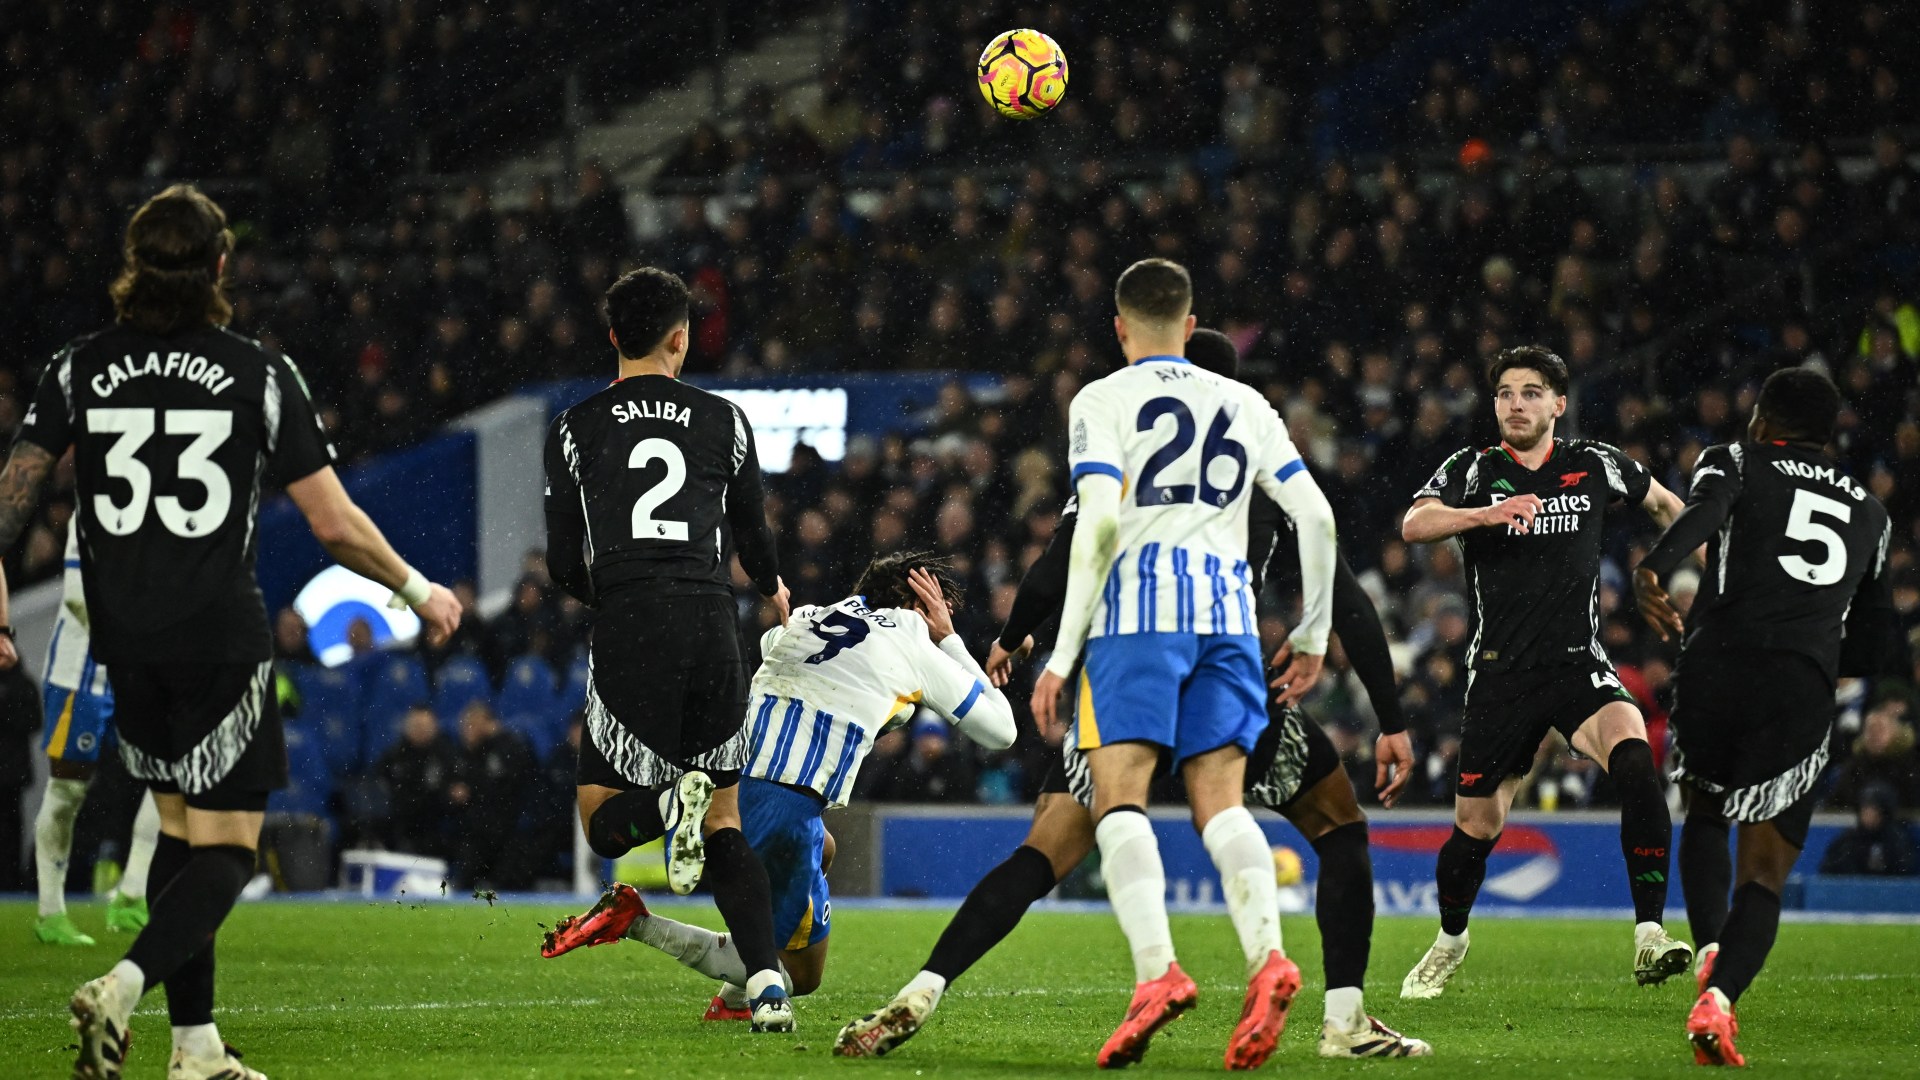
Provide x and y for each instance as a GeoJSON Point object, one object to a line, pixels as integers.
{"type": "Point", "coordinates": [645, 525]}
{"type": "Point", "coordinates": [210, 428]}
{"type": "Point", "coordinates": [1217, 445]}
{"type": "Point", "coordinates": [1801, 526]}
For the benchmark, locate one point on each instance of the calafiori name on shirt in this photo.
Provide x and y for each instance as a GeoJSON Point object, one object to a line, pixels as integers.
{"type": "Point", "coordinates": [1827, 473]}
{"type": "Point", "coordinates": [195, 369]}
{"type": "Point", "coordinates": [624, 411]}
{"type": "Point", "coordinates": [1560, 514]}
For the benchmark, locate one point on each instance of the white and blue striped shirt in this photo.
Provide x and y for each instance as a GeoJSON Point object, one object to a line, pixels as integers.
{"type": "Point", "coordinates": [836, 676]}
{"type": "Point", "coordinates": [70, 664]}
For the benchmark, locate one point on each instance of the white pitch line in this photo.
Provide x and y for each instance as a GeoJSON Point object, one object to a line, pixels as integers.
{"type": "Point", "coordinates": [981, 993]}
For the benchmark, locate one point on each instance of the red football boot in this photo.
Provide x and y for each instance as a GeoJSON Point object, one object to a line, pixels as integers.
{"type": "Point", "coordinates": [1155, 1005]}
{"type": "Point", "coordinates": [1708, 955]}
{"type": "Point", "coordinates": [1264, 1016]}
{"type": "Point", "coordinates": [607, 921]}
{"type": "Point", "coordinates": [720, 1010]}
{"type": "Point", "coordinates": [1711, 1030]}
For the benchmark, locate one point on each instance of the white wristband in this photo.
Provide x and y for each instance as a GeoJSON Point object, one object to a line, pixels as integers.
{"type": "Point", "coordinates": [413, 593]}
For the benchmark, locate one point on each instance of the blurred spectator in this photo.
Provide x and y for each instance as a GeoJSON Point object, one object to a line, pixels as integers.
{"type": "Point", "coordinates": [1878, 843]}
{"type": "Point", "coordinates": [418, 774]}
{"type": "Point", "coordinates": [924, 767]}
{"type": "Point", "coordinates": [493, 773]}
{"type": "Point", "coordinates": [1883, 755]}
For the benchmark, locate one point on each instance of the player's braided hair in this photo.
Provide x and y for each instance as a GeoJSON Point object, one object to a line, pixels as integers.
{"type": "Point", "coordinates": [171, 278]}
{"type": "Point", "coordinates": [884, 583]}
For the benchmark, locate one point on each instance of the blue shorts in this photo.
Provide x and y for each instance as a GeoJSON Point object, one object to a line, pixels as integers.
{"type": "Point", "coordinates": [1190, 693]}
{"type": "Point", "coordinates": [784, 828]}
{"type": "Point", "coordinates": [79, 725]}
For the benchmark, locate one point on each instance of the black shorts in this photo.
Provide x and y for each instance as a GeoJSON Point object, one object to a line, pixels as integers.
{"type": "Point", "coordinates": [1292, 756]}
{"type": "Point", "coordinates": [210, 732]}
{"type": "Point", "coordinates": [667, 692]}
{"type": "Point", "coordinates": [1752, 727]}
{"type": "Point", "coordinates": [1509, 712]}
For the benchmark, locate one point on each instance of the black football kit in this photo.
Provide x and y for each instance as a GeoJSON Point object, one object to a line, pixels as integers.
{"type": "Point", "coordinates": [652, 484]}
{"type": "Point", "coordinates": [173, 439]}
{"type": "Point", "coordinates": [1536, 660]}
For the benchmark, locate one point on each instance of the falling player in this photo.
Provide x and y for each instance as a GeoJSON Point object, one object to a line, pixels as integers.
{"type": "Point", "coordinates": [645, 481]}
{"type": "Point", "coordinates": [832, 680]}
{"type": "Point", "coordinates": [1797, 552]}
{"type": "Point", "coordinates": [1163, 456]}
{"type": "Point", "coordinates": [1293, 770]}
{"type": "Point", "coordinates": [1529, 515]}
{"type": "Point", "coordinates": [79, 723]}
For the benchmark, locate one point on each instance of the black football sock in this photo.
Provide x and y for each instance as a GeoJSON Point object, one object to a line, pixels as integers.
{"type": "Point", "coordinates": [190, 987]}
{"type": "Point", "coordinates": [625, 822]}
{"type": "Point", "coordinates": [745, 899]}
{"type": "Point", "coordinates": [170, 853]}
{"type": "Point", "coordinates": [991, 911]}
{"type": "Point", "coordinates": [1706, 875]}
{"type": "Point", "coordinates": [1343, 904]}
{"type": "Point", "coordinates": [188, 914]}
{"type": "Point", "coordinates": [1646, 827]}
{"type": "Point", "coordinates": [1745, 941]}
{"type": "Point", "coordinates": [1461, 868]}
{"type": "Point", "coordinates": [190, 990]}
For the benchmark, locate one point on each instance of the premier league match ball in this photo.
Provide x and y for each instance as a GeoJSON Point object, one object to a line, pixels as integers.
{"type": "Point", "coordinates": [1023, 74]}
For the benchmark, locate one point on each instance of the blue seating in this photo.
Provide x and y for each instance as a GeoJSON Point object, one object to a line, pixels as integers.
{"type": "Point", "coordinates": [391, 683]}
{"type": "Point", "coordinates": [530, 704]}
{"type": "Point", "coordinates": [330, 708]}
{"type": "Point", "coordinates": [460, 682]}
{"type": "Point", "coordinates": [310, 781]}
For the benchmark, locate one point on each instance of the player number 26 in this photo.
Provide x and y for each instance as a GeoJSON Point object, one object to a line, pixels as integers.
{"type": "Point", "coordinates": [209, 427]}
{"type": "Point", "coordinates": [1801, 526]}
{"type": "Point", "coordinates": [1216, 446]}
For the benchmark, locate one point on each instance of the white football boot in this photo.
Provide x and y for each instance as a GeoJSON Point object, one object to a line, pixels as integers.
{"type": "Point", "coordinates": [1430, 976]}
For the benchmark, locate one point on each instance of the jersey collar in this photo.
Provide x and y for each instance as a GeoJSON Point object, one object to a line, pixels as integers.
{"type": "Point", "coordinates": [1553, 447]}
{"type": "Point", "coordinates": [1168, 358]}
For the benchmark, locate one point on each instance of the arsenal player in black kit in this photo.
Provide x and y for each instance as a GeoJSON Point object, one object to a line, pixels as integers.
{"type": "Point", "coordinates": [1529, 516]}
{"type": "Point", "coordinates": [1795, 595]}
{"type": "Point", "coordinates": [651, 485]}
{"type": "Point", "coordinates": [175, 422]}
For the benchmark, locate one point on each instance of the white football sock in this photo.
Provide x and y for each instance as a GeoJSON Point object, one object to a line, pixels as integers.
{"type": "Point", "coordinates": [1137, 889]}
{"type": "Point", "coordinates": [1345, 1009]}
{"type": "Point", "coordinates": [132, 983]}
{"type": "Point", "coordinates": [733, 996]}
{"type": "Point", "coordinates": [53, 840]}
{"type": "Point", "coordinates": [762, 980]}
{"type": "Point", "coordinates": [146, 833]}
{"type": "Point", "coordinates": [708, 952]}
{"type": "Point", "coordinates": [1245, 860]}
{"type": "Point", "coordinates": [199, 1040]}
{"type": "Point", "coordinates": [926, 980]}
{"type": "Point", "coordinates": [1451, 941]}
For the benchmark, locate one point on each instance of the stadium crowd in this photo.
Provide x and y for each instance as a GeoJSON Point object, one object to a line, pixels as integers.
{"type": "Point", "coordinates": [882, 232]}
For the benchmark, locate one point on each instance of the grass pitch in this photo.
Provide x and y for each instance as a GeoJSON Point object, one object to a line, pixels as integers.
{"type": "Point", "coordinates": [457, 989]}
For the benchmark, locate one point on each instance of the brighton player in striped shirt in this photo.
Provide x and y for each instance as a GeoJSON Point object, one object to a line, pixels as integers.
{"type": "Point", "coordinates": [1164, 456]}
{"type": "Point", "coordinates": [831, 681]}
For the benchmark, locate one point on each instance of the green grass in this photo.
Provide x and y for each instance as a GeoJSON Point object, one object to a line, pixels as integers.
{"type": "Point", "coordinates": [459, 990]}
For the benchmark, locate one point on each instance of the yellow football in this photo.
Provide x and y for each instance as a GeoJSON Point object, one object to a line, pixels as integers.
{"type": "Point", "coordinates": [1023, 73]}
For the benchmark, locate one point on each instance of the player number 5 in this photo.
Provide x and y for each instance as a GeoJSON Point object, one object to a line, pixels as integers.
{"type": "Point", "coordinates": [1801, 526]}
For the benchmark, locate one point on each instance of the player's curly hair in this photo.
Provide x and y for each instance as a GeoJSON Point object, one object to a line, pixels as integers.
{"type": "Point", "coordinates": [1801, 403]}
{"type": "Point", "coordinates": [884, 582]}
{"type": "Point", "coordinates": [171, 277]}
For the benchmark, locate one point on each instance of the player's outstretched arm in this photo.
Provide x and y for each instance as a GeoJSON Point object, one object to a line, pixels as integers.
{"type": "Point", "coordinates": [27, 469]}
{"type": "Point", "coordinates": [1716, 487]}
{"type": "Point", "coordinates": [351, 537]}
{"type": "Point", "coordinates": [1094, 540]}
{"type": "Point", "coordinates": [1041, 593]}
{"type": "Point", "coordinates": [1661, 505]}
{"type": "Point", "coordinates": [1430, 520]}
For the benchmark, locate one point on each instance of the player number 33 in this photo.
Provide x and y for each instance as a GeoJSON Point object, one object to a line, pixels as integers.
{"type": "Point", "coordinates": [209, 427]}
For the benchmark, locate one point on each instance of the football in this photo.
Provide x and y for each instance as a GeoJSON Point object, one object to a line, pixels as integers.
{"type": "Point", "coordinates": [1023, 74]}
